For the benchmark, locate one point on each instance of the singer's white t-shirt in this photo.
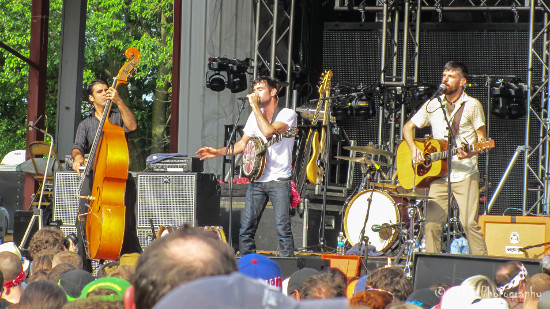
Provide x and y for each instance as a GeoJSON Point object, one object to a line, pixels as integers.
{"type": "Point", "coordinates": [278, 164]}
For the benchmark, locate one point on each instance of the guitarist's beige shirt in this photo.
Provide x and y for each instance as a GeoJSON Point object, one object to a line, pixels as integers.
{"type": "Point", "coordinates": [472, 119]}
{"type": "Point", "coordinates": [278, 163]}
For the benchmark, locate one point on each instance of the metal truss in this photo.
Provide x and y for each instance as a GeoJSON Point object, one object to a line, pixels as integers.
{"type": "Point", "coordinates": [274, 35]}
{"type": "Point", "coordinates": [537, 96]}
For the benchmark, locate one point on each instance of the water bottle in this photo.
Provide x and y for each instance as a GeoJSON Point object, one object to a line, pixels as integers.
{"type": "Point", "coordinates": [340, 244]}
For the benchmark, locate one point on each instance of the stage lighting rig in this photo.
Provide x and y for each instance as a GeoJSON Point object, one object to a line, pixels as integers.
{"type": "Point", "coordinates": [508, 99]}
{"type": "Point", "coordinates": [354, 102]}
{"type": "Point", "coordinates": [227, 73]}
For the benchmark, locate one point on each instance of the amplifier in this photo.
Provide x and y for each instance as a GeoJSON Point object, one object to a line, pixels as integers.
{"type": "Point", "coordinates": [177, 164]}
{"type": "Point", "coordinates": [173, 199]}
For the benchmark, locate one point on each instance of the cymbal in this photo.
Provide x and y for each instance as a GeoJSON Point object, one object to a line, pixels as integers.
{"type": "Point", "coordinates": [363, 160]}
{"type": "Point", "coordinates": [369, 149]}
{"type": "Point", "coordinates": [413, 196]}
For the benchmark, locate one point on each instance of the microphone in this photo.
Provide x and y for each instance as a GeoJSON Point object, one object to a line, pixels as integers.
{"type": "Point", "coordinates": [441, 88]}
{"type": "Point", "coordinates": [378, 228]}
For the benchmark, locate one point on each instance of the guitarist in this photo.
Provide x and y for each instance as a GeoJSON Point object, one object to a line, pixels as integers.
{"type": "Point", "coordinates": [266, 119]}
{"type": "Point", "coordinates": [99, 93]}
{"type": "Point", "coordinates": [464, 174]}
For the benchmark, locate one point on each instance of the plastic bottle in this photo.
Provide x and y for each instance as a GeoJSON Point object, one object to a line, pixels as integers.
{"type": "Point", "coordinates": [340, 244]}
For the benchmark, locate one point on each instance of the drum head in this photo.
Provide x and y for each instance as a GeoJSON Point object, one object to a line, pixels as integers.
{"type": "Point", "coordinates": [382, 211]}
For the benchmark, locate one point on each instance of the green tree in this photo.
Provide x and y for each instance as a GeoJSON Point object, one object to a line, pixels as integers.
{"type": "Point", "coordinates": [111, 27]}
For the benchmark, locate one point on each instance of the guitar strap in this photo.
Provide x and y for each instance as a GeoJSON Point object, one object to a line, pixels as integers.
{"type": "Point", "coordinates": [456, 122]}
{"type": "Point", "coordinates": [275, 113]}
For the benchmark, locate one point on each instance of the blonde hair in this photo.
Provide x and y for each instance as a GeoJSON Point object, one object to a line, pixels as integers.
{"type": "Point", "coordinates": [483, 286]}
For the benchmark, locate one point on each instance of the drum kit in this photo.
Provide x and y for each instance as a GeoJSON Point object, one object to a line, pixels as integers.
{"type": "Point", "coordinates": [384, 215]}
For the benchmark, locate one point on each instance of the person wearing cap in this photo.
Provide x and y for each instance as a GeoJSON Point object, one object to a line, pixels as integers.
{"type": "Point", "coordinates": [73, 281]}
{"type": "Point", "coordinates": [43, 295]}
{"type": "Point", "coordinates": [297, 279]}
{"type": "Point", "coordinates": [14, 276]}
{"type": "Point", "coordinates": [267, 120]}
{"type": "Point", "coordinates": [261, 267]}
{"type": "Point", "coordinates": [425, 298]}
{"type": "Point", "coordinates": [510, 279]}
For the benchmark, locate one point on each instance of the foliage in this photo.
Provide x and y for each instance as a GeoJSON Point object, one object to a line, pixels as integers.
{"type": "Point", "coordinates": [111, 27]}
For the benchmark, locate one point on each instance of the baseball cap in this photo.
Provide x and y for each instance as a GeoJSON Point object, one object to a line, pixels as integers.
{"type": "Point", "coordinates": [73, 281]}
{"type": "Point", "coordinates": [261, 267]}
{"type": "Point", "coordinates": [237, 291]}
{"type": "Point", "coordinates": [425, 298]}
{"type": "Point", "coordinates": [12, 247]}
{"type": "Point", "coordinates": [110, 283]}
{"type": "Point", "coordinates": [459, 297]}
{"type": "Point", "coordinates": [297, 279]}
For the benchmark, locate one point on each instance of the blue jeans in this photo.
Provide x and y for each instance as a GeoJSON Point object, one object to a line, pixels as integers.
{"type": "Point", "coordinates": [279, 193]}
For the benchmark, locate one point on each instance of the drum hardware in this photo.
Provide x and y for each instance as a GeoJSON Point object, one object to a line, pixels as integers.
{"type": "Point", "coordinates": [363, 160]}
{"type": "Point", "coordinates": [413, 196]}
{"type": "Point", "coordinates": [370, 150]}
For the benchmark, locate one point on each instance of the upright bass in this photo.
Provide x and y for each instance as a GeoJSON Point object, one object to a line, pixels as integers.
{"type": "Point", "coordinates": [104, 220]}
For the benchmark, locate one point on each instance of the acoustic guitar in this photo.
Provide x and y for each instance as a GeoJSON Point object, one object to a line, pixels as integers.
{"type": "Point", "coordinates": [103, 224]}
{"type": "Point", "coordinates": [434, 166]}
{"type": "Point", "coordinates": [314, 169]}
{"type": "Point", "coordinates": [255, 151]}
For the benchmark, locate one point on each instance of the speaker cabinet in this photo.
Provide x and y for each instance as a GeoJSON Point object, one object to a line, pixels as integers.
{"type": "Point", "coordinates": [452, 269]}
{"type": "Point", "coordinates": [22, 219]}
{"type": "Point", "coordinates": [12, 190]}
{"type": "Point", "coordinates": [516, 237]}
{"type": "Point", "coordinates": [174, 199]}
{"type": "Point", "coordinates": [65, 197]}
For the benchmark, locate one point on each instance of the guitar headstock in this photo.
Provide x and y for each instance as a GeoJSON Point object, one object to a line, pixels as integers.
{"type": "Point", "coordinates": [326, 84]}
{"type": "Point", "coordinates": [484, 145]}
{"type": "Point", "coordinates": [127, 69]}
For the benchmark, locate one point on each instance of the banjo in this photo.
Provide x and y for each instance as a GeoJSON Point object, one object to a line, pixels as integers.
{"type": "Point", "coordinates": [254, 153]}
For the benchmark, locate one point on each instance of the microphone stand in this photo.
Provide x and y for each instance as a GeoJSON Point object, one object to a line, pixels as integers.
{"type": "Point", "coordinates": [231, 145]}
{"type": "Point", "coordinates": [450, 139]}
{"type": "Point", "coordinates": [364, 239]}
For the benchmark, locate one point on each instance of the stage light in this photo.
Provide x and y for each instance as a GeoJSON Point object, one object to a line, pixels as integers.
{"type": "Point", "coordinates": [227, 73]}
{"type": "Point", "coordinates": [508, 100]}
{"type": "Point", "coordinates": [216, 80]}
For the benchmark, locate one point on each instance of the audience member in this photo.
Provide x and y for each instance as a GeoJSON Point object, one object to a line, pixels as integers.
{"type": "Point", "coordinates": [339, 278]}
{"type": "Point", "coordinates": [425, 298]}
{"type": "Point", "coordinates": [47, 239]}
{"type": "Point", "coordinates": [238, 291]}
{"type": "Point", "coordinates": [261, 267]}
{"type": "Point", "coordinates": [59, 270]}
{"type": "Point", "coordinates": [458, 297]}
{"type": "Point", "coordinates": [483, 286]}
{"type": "Point", "coordinates": [43, 295]}
{"type": "Point", "coordinates": [67, 257]}
{"type": "Point", "coordinates": [321, 286]}
{"type": "Point", "coordinates": [42, 262]}
{"type": "Point", "coordinates": [123, 272]}
{"type": "Point", "coordinates": [73, 282]}
{"type": "Point", "coordinates": [297, 279]}
{"type": "Point", "coordinates": [37, 276]}
{"type": "Point", "coordinates": [12, 247]}
{"type": "Point", "coordinates": [108, 288]}
{"type": "Point", "coordinates": [391, 279]}
{"type": "Point", "coordinates": [534, 287]}
{"type": "Point", "coordinates": [183, 255]}
{"type": "Point", "coordinates": [490, 303]}
{"type": "Point", "coordinates": [106, 268]}
{"type": "Point", "coordinates": [373, 298]}
{"type": "Point", "coordinates": [403, 305]}
{"type": "Point", "coordinates": [510, 279]}
{"type": "Point", "coordinates": [544, 300]}
{"type": "Point", "coordinates": [14, 276]}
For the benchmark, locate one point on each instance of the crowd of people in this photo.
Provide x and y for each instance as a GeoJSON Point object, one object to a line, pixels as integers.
{"type": "Point", "coordinates": [193, 268]}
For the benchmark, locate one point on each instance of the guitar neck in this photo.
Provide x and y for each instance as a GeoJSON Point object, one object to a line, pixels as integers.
{"type": "Point", "coordinates": [277, 138]}
{"type": "Point", "coordinates": [443, 154]}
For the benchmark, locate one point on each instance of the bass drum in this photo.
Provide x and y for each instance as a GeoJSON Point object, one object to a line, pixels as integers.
{"type": "Point", "coordinates": [383, 210]}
